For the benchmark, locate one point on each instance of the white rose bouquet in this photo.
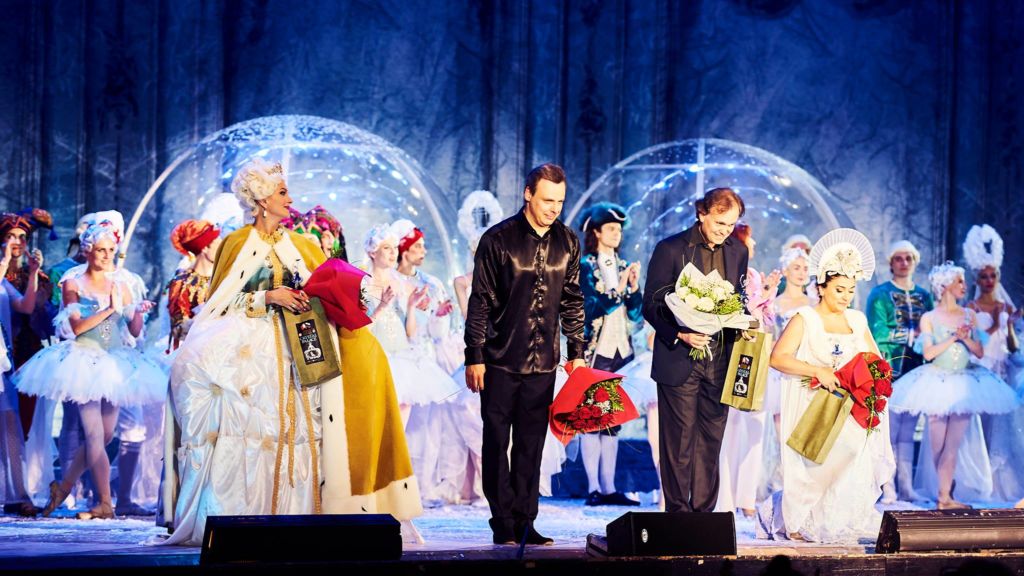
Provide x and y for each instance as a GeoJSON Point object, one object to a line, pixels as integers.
{"type": "Point", "coordinates": [706, 304]}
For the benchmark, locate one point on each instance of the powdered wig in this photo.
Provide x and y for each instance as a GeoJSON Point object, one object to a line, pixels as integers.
{"type": "Point", "coordinates": [790, 256]}
{"type": "Point", "coordinates": [96, 232]}
{"type": "Point", "coordinates": [943, 275]}
{"type": "Point", "coordinates": [903, 246]}
{"type": "Point", "coordinates": [377, 236]}
{"type": "Point", "coordinates": [255, 181]}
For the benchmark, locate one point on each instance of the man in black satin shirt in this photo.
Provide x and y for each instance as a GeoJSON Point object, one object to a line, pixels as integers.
{"type": "Point", "coordinates": [525, 279]}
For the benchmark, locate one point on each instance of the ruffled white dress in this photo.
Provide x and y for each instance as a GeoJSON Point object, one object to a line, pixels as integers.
{"type": "Point", "coordinates": [951, 384]}
{"type": "Point", "coordinates": [419, 379]}
{"type": "Point", "coordinates": [1006, 431]}
{"type": "Point", "coordinates": [250, 433]}
{"type": "Point", "coordinates": [833, 501]}
{"type": "Point", "coordinates": [773, 389]}
{"type": "Point", "coordinates": [101, 364]}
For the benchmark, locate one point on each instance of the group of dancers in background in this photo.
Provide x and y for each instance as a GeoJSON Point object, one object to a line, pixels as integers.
{"type": "Point", "coordinates": [214, 422]}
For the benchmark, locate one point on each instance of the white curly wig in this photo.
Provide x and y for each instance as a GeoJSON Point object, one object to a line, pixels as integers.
{"type": "Point", "coordinates": [377, 236]}
{"type": "Point", "coordinates": [943, 275]}
{"type": "Point", "coordinates": [790, 256]}
{"type": "Point", "coordinates": [255, 181]}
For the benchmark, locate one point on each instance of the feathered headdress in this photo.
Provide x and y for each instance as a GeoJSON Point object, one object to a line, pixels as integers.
{"type": "Point", "coordinates": [983, 247]}
{"type": "Point", "coordinates": [843, 252]}
{"type": "Point", "coordinates": [480, 210]}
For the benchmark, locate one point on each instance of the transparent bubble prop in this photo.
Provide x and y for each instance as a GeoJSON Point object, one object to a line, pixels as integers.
{"type": "Point", "coordinates": [360, 178]}
{"type": "Point", "coordinates": [658, 187]}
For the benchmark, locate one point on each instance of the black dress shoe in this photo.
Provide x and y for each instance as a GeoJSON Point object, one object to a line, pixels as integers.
{"type": "Point", "coordinates": [502, 533]}
{"type": "Point", "coordinates": [619, 499]}
{"type": "Point", "coordinates": [503, 539]}
{"type": "Point", "coordinates": [595, 498]}
{"type": "Point", "coordinates": [534, 538]}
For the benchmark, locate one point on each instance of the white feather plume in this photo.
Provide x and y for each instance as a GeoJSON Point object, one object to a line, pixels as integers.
{"type": "Point", "coordinates": [983, 247]}
{"type": "Point", "coordinates": [479, 211]}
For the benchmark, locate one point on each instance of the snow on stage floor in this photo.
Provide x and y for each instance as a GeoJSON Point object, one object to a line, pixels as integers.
{"type": "Point", "coordinates": [455, 529]}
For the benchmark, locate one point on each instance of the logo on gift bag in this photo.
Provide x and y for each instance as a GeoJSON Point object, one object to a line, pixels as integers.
{"type": "Point", "coordinates": [742, 385]}
{"type": "Point", "coordinates": [309, 339]}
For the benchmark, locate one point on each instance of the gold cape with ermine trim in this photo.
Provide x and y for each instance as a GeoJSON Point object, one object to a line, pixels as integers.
{"type": "Point", "coordinates": [365, 460]}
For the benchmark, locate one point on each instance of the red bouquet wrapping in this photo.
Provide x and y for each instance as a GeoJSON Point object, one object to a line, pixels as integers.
{"type": "Point", "coordinates": [868, 379]}
{"type": "Point", "coordinates": [338, 285]}
{"type": "Point", "coordinates": [590, 401]}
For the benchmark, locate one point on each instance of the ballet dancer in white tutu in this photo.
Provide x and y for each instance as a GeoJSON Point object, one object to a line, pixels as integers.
{"type": "Point", "coordinates": [96, 366]}
{"type": "Point", "coordinates": [949, 389]}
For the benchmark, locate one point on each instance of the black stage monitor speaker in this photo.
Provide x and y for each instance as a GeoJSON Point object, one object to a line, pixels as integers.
{"type": "Point", "coordinates": [923, 530]}
{"type": "Point", "coordinates": [672, 534]}
{"type": "Point", "coordinates": [313, 538]}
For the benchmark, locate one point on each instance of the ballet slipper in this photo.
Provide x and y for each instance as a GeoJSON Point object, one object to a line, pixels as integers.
{"type": "Point", "coordinates": [57, 497]}
{"type": "Point", "coordinates": [102, 511]}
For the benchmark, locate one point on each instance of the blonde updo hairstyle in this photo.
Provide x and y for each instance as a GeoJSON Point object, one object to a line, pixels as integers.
{"type": "Point", "coordinates": [257, 180]}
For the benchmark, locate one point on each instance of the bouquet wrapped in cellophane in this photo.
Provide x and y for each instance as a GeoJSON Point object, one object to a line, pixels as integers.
{"type": "Point", "coordinates": [707, 304]}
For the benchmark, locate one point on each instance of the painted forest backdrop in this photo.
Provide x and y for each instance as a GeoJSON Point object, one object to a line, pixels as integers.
{"type": "Point", "coordinates": [909, 111]}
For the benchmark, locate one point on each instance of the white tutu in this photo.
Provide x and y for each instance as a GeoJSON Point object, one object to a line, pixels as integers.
{"type": "Point", "coordinates": [936, 391]}
{"type": "Point", "coordinates": [83, 373]}
{"type": "Point", "coordinates": [637, 382]}
{"type": "Point", "coordinates": [421, 380]}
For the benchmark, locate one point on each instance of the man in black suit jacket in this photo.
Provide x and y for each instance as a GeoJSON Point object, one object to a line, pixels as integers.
{"type": "Point", "coordinates": [692, 419]}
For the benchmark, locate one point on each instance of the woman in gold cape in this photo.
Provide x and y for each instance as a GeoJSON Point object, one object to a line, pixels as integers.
{"type": "Point", "coordinates": [251, 434]}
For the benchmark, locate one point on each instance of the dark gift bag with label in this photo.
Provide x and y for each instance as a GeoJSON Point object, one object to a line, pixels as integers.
{"type": "Point", "coordinates": [309, 339]}
{"type": "Point", "coordinates": [747, 376]}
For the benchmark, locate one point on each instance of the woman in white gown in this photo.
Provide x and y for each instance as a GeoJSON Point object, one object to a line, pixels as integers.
{"type": "Point", "coordinates": [250, 432]}
{"type": "Point", "coordinates": [833, 501]}
{"type": "Point", "coordinates": [1004, 434]}
{"type": "Point", "coordinates": [793, 264]}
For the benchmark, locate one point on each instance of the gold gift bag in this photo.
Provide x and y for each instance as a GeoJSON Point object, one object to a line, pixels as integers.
{"type": "Point", "coordinates": [309, 339]}
{"type": "Point", "coordinates": [747, 376]}
{"type": "Point", "coordinates": [820, 424]}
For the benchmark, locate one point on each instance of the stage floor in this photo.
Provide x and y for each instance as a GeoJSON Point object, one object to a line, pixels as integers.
{"type": "Point", "coordinates": [453, 534]}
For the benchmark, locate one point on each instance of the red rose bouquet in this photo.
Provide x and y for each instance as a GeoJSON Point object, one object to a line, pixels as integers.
{"type": "Point", "coordinates": [590, 401]}
{"type": "Point", "coordinates": [868, 379]}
